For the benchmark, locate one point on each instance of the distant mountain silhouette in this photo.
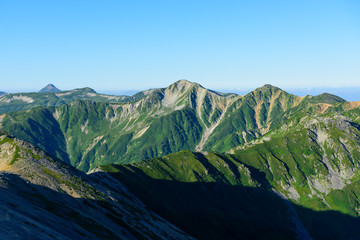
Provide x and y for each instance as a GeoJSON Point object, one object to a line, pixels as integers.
{"type": "Point", "coordinates": [50, 88]}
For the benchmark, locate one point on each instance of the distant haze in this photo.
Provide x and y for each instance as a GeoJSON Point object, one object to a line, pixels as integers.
{"type": "Point", "coordinates": [347, 93]}
{"type": "Point", "coordinates": [145, 44]}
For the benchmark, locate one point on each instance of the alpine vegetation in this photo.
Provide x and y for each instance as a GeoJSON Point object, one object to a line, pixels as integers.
{"type": "Point", "coordinates": [179, 162]}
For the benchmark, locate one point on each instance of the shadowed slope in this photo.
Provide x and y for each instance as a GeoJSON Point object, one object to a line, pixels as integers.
{"type": "Point", "coordinates": [312, 160]}
{"type": "Point", "coordinates": [46, 199]}
{"type": "Point", "coordinates": [217, 196]}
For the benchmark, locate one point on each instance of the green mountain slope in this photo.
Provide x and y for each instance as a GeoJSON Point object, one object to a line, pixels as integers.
{"type": "Point", "coordinates": [22, 101]}
{"type": "Point", "coordinates": [269, 165]}
{"type": "Point", "coordinates": [260, 111]}
{"type": "Point", "coordinates": [184, 116]}
{"type": "Point", "coordinates": [312, 160]}
{"type": "Point", "coordinates": [164, 121]}
{"type": "Point", "coordinates": [202, 195]}
{"type": "Point", "coordinates": [309, 155]}
{"type": "Point", "coordinates": [43, 198]}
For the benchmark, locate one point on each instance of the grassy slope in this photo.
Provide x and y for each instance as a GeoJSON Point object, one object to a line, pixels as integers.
{"type": "Point", "coordinates": [164, 121]}
{"type": "Point", "coordinates": [313, 160]}
{"type": "Point", "coordinates": [99, 133]}
{"type": "Point", "coordinates": [40, 128]}
{"type": "Point", "coordinates": [260, 111]}
{"type": "Point", "coordinates": [206, 196]}
{"type": "Point", "coordinates": [22, 101]}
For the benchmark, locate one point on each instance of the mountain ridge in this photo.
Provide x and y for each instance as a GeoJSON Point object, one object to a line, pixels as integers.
{"type": "Point", "coordinates": [183, 116]}
{"type": "Point", "coordinates": [23, 101]}
{"type": "Point", "coordinates": [267, 164]}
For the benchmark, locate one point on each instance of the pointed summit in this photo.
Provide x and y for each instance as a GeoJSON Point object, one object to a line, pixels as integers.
{"type": "Point", "coordinates": [49, 88]}
{"type": "Point", "coordinates": [266, 90]}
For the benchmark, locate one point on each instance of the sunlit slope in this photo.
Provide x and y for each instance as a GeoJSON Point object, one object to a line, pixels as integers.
{"type": "Point", "coordinates": [184, 116]}
{"type": "Point", "coordinates": [164, 121]}
{"type": "Point", "coordinates": [22, 101]}
{"type": "Point", "coordinates": [260, 111]}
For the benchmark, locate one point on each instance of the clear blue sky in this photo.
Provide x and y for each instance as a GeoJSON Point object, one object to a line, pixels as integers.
{"type": "Point", "coordinates": [126, 45]}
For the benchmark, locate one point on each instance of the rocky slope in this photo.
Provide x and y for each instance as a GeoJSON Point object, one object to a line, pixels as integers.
{"type": "Point", "coordinates": [42, 198]}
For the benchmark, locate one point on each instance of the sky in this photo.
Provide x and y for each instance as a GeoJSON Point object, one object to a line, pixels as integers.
{"type": "Point", "coordinates": [126, 45]}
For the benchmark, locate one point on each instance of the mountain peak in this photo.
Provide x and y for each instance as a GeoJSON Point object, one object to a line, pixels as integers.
{"type": "Point", "coordinates": [183, 81]}
{"type": "Point", "coordinates": [183, 84]}
{"type": "Point", "coordinates": [327, 98]}
{"type": "Point", "coordinates": [86, 89]}
{"type": "Point", "coordinates": [268, 86]}
{"type": "Point", "coordinates": [49, 88]}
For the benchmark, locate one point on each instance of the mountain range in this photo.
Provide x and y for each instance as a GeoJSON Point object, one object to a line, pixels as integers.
{"type": "Point", "coordinates": [183, 116]}
{"type": "Point", "coordinates": [267, 164]}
